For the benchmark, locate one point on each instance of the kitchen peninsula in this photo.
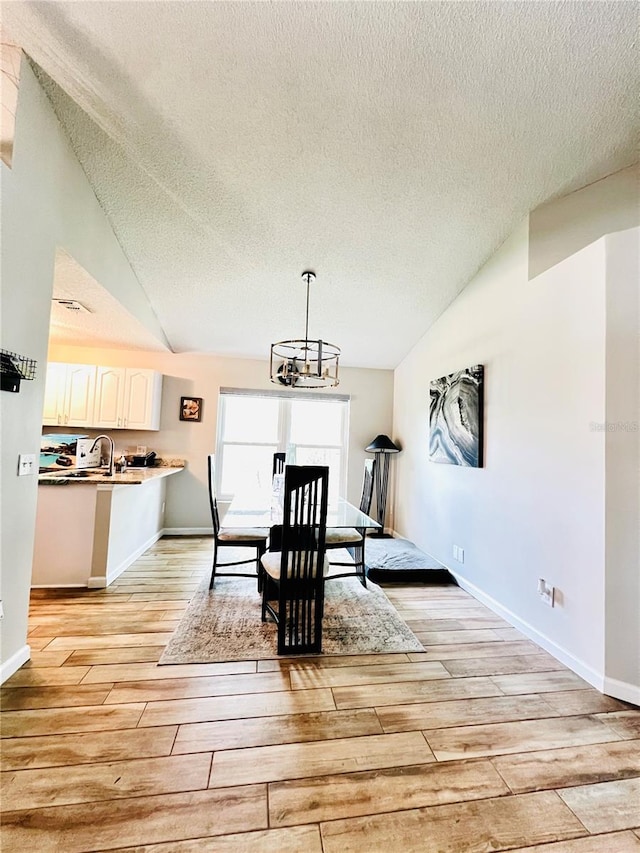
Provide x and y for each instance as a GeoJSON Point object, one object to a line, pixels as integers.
{"type": "Point", "coordinates": [90, 526]}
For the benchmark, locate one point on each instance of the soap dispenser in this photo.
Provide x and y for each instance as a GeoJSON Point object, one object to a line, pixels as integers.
{"type": "Point", "coordinates": [121, 464]}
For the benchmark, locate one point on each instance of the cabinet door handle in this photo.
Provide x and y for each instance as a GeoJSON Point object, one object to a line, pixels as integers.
{"type": "Point", "coordinates": [126, 421]}
{"type": "Point", "coordinates": [59, 419]}
{"type": "Point", "coordinates": [66, 419]}
{"type": "Point", "coordinates": [118, 421]}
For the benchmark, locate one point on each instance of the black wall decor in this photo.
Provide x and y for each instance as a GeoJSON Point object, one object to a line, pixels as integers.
{"type": "Point", "coordinates": [13, 369]}
{"type": "Point", "coordinates": [456, 418]}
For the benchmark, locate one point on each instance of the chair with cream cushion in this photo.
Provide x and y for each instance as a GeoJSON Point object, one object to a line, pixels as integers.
{"type": "Point", "coordinates": [353, 538]}
{"type": "Point", "coordinates": [293, 589]}
{"type": "Point", "coordinates": [255, 537]}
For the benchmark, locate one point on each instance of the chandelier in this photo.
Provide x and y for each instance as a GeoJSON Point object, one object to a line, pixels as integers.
{"type": "Point", "coordinates": [304, 363]}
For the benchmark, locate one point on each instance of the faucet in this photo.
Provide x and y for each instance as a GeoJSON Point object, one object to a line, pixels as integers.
{"type": "Point", "coordinates": [111, 452]}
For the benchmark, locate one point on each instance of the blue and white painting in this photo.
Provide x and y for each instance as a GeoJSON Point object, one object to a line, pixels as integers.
{"type": "Point", "coordinates": [455, 418]}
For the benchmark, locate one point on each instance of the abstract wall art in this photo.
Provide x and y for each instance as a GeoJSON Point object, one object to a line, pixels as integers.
{"type": "Point", "coordinates": [456, 416]}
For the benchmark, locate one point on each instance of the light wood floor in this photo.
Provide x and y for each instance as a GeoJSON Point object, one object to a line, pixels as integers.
{"type": "Point", "coordinates": [482, 743]}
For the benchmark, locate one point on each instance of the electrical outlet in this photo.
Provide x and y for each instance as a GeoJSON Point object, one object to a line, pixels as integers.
{"type": "Point", "coordinates": [1, 610]}
{"type": "Point", "coordinates": [26, 464]}
{"type": "Point", "coordinates": [458, 553]}
{"type": "Point", "coordinates": [546, 593]}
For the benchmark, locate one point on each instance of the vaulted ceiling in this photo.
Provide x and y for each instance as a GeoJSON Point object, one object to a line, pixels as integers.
{"type": "Point", "coordinates": [391, 147]}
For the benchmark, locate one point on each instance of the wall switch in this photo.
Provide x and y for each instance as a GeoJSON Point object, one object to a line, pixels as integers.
{"type": "Point", "coordinates": [1, 610]}
{"type": "Point", "coordinates": [546, 592]}
{"type": "Point", "coordinates": [26, 464]}
{"type": "Point", "coordinates": [458, 553]}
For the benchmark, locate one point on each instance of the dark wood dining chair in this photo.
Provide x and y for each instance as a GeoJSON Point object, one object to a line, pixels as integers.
{"type": "Point", "coordinates": [293, 589]}
{"type": "Point", "coordinates": [278, 463]}
{"type": "Point", "coordinates": [224, 537]}
{"type": "Point", "coordinates": [353, 538]}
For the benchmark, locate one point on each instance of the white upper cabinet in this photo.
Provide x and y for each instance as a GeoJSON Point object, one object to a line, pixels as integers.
{"type": "Point", "coordinates": [54, 394]}
{"type": "Point", "coordinates": [142, 398]}
{"type": "Point", "coordinates": [127, 398]}
{"type": "Point", "coordinates": [69, 394]}
{"type": "Point", "coordinates": [102, 397]}
{"type": "Point", "coordinates": [107, 412]}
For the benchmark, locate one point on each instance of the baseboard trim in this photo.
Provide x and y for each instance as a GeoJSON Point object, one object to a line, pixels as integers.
{"type": "Point", "coordinates": [14, 663]}
{"type": "Point", "coordinates": [187, 531]}
{"type": "Point", "coordinates": [622, 690]}
{"type": "Point", "coordinates": [592, 676]}
{"type": "Point", "coordinates": [100, 581]}
{"type": "Point", "coordinates": [58, 586]}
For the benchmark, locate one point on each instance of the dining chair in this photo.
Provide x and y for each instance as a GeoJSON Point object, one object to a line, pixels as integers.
{"type": "Point", "coordinates": [353, 538]}
{"type": "Point", "coordinates": [293, 588]}
{"type": "Point", "coordinates": [224, 537]}
{"type": "Point", "coordinates": [278, 463]}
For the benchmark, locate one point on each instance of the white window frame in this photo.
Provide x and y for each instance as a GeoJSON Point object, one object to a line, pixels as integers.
{"type": "Point", "coordinates": [284, 429]}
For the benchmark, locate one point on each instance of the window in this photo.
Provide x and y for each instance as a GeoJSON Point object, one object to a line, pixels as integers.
{"type": "Point", "coordinates": [253, 425]}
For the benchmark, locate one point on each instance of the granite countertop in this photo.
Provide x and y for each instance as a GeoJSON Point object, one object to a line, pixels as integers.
{"type": "Point", "coordinates": [95, 476]}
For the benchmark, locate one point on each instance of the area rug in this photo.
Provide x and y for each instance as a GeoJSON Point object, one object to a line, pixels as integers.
{"type": "Point", "coordinates": [224, 624]}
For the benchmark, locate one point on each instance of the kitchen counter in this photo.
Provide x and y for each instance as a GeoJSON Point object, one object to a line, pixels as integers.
{"type": "Point", "coordinates": [91, 476]}
{"type": "Point", "coordinates": [86, 537]}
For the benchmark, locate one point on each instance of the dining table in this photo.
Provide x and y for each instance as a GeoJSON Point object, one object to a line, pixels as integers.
{"type": "Point", "coordinates": [263, 510]}
{"type": "Point", "coordinates": [259, 509]}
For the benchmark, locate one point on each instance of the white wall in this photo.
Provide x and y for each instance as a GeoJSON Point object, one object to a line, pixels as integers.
{"type": "Point", "coordinates": [622, 442]}
{"type": "Point", "coordinates": [565, 225]}
{"type": "Point", "coordinates": [202, 376]}
{"type": "Point", "coordinates": [544, 383]}
{"type": "Point", "coordinates": [537, 508]}
{"type": "Point", "coordinates": [46, 203]}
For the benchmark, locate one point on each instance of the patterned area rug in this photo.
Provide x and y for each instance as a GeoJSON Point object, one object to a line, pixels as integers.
{"type": "Point", "coordinates": [224, 624]}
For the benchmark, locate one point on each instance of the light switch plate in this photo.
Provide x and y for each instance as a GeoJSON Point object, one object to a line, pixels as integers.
{"type": "Point", "coordinates": [26, 464]}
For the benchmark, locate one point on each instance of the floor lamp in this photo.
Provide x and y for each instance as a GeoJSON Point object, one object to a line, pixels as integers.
{"type": "Point", "coordinates": [383, 447]}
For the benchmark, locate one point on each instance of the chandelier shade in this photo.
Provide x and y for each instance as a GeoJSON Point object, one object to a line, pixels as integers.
{"type": "Point", "coordinates": [305, 363]}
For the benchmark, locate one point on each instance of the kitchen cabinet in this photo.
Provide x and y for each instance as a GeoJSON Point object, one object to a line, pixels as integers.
{"type": "Point", "coordinates": [87, 395]}
{"type": "Point", "coordinates": [127, 398]}
{"type": "Point", "coordinates": [69, 395]}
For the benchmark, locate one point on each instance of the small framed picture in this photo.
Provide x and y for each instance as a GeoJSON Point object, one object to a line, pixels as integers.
{"type": "Point", "coordinates": [190, 408]}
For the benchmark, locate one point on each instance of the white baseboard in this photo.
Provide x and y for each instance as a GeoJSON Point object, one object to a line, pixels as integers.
{"type": "Point", "coordinates": [100, 581]}
{"type": "Point", "coordinates": [14, 663]}
{"type": "Point", "coordinates": [58, 586]}
{"type": "Point", "coordinates": [617, 689]}
{"type": "Point", "coordinates": [187, 531]}
{"type": "Point", "coordinates": [622, 690]}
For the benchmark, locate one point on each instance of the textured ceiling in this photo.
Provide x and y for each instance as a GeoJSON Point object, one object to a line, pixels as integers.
{"type": "Point", "coordinates": [106, 323]}
{"type": "Point", "coordinates": [389, 146]}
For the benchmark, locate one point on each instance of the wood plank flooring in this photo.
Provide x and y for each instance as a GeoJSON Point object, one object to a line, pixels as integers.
{"type": "Point", "coordinates": [482, 743]}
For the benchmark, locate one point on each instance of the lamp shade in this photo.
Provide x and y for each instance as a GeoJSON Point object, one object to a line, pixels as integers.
{"type": "Point", "coordinates": [382, 444]}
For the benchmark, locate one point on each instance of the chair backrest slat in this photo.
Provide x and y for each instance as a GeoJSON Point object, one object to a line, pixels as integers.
{"type": "Point", "coordinates": [279, 463]}
{"type": "Point", "coordinates": [367, 485]}
{"type": "Point", "coordinates": [213, 503]}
